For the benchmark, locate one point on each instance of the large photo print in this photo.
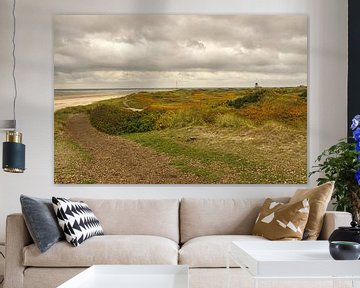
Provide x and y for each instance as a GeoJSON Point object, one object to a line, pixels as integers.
{"type": "Point", "coordinates": [180, 99]}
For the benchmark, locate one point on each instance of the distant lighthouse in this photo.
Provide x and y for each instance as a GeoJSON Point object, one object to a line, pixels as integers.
{"type": "Point", "coordinates": [256, 85]}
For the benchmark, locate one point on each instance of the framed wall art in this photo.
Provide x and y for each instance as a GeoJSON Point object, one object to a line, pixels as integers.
{"type": "Point", "coordinates": [180, 99]}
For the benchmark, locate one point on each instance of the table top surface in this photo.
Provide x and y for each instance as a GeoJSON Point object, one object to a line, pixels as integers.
{"type": "Point", "coordinates": [286, 250]}
{"type": "Point", "coordinates": [131, 276]}
{"type": "Point", "coordinates": [291, 259]}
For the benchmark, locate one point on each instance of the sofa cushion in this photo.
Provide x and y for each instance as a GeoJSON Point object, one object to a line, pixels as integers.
{"type": "Point", "coordinates": [158, 217]}
{"type": "Point", "coordinates": [41, 221]}
{"type": "Point", "coordinates": [279, 221]}
{"type": "Point", "coordinates": [201, 217]}
{"type": "Point", "coordinates": [211, 251]}
{"type": "Point", "coordinates": [107, 249]}
{"type": "Point", "coordinates": [319, 198]}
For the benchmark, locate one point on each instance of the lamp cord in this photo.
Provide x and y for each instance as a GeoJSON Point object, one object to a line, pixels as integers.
{"type": "Point", "coordinates": [14, 60]}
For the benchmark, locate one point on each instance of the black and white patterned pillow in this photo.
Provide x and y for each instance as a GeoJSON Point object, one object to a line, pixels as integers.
{"type": "Point", "coordinates": [77, 220]}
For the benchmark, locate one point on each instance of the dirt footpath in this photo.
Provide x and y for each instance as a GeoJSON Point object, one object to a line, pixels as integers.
{"type": "Point", "coordinates": [115, 160]}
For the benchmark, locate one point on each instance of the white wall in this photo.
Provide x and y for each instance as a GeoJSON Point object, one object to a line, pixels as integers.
{"type": "Point", "coordinates": [327, 98]}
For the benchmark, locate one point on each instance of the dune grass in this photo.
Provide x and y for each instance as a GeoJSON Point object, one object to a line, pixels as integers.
{"type": "Point", "coordinates": [255, 155]}
{"type": "Point", "coordinates": [244, 136]}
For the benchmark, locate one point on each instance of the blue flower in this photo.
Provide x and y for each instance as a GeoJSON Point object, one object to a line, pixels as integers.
{"type": "Point", "coordinates": [357, 147]}
{"type": "Point", "coordinates": [355, 122]}
{"type": "Point", "coordinates": [357, 175]}
{"type": "Point", "coordinates": [356, 134]}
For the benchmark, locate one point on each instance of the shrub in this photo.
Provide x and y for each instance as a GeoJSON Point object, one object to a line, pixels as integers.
{"type": "Point", "coordinates": [166, 120]}
{"type": "Point", "coordinates": [303, 94]}
{"type": "Point", "coordinates": [114, 120]}
{"type": "Point", "coordinates": [248, 99]}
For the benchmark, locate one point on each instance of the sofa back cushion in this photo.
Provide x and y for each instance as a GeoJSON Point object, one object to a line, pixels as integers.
{"type": "Point", "coordinates": [159, 217]}
{"type": "Point", "coordinates": [200, 217]}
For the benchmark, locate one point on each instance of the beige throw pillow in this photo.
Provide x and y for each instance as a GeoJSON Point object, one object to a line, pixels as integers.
{"type": "Point", "coordinates": [319, 198]}
{"type": "Point", "coordinates": [279, 221]}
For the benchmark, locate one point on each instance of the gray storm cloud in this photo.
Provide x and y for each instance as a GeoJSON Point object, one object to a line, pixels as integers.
{"type": "Point", "coordinates": [131, 51]}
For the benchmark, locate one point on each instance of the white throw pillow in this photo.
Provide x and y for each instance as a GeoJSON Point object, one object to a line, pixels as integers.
{"type": "Point", "coordinates": [77, 220]}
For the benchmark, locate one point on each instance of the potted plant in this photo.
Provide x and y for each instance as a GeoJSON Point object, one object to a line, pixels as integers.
{"type": "Point", "coordinates": [341, 163]}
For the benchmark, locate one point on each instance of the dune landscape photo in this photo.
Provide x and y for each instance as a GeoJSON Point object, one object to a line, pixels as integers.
{"type": "Point", "coordinates": [180, 99]}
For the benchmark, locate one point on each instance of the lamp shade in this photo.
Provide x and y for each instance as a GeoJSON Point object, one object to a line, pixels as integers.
{"type": "Point", "coordinates": [13, 153]}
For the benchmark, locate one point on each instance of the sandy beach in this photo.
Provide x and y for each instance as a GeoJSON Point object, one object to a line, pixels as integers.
{"type": "Point", "coordinates": [85, 99]}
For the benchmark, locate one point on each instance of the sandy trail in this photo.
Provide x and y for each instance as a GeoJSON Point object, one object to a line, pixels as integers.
{"type": "Point", "coordinates": [116, 160]}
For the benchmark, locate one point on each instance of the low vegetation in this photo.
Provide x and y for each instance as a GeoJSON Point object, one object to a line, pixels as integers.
{"type": "Point", "coordinates": [200, 107]}
{"type": "Point", "coordinates": [114, 120]}
{"type": "Point", "coordinates": [247, 99]}
{"type": "Point", "coordinates": [249, 135]}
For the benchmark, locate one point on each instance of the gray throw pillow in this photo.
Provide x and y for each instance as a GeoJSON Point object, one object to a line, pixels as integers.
{"type": "Point", "coordinates": [41, 221]}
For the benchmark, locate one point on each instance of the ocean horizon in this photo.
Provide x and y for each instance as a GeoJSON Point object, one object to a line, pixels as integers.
{"type": "Point", "coordinates": [104, 91]}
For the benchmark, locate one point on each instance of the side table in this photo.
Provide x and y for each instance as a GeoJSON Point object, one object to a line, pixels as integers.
{"type": "Point", "coordinates": [295, 264]}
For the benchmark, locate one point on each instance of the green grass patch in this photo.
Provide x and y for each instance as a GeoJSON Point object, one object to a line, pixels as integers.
{"type": "Point", "coordinates": [210, 164]}
{"type": "Point", "coordinates": [174, 148]}
{"type": "Point", "coordinates": [256, 155]}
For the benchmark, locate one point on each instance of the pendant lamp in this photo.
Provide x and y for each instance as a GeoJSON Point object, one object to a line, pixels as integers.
{"type": "Point", "coordinates": [13, 160]}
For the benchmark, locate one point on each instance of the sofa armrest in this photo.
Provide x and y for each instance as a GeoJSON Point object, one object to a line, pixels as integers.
{"type": "Point", "coordinates": [333, 220]}
{"type": "Point", "coordinates": [17, 237]}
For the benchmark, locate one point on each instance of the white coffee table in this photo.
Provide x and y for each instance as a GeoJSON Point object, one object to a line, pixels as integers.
{"type": "Point", "coordinates": [131, 276]}
{"type": "Point", "coordinates": [292, 260]}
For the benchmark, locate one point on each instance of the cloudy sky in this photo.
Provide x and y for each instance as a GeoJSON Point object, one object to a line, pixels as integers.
{"type": "Point", "coordinates": [153, 51]}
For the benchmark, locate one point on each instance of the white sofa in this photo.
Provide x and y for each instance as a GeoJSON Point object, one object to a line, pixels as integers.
{"type": "Point", "coordinates": [194, 232]}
